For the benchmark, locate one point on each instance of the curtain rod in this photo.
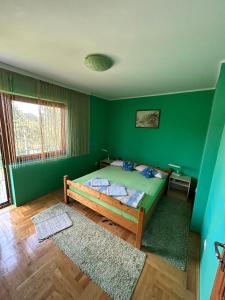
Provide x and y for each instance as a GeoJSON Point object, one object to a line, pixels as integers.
{"type": "Point", "coordinates": [28, 96]}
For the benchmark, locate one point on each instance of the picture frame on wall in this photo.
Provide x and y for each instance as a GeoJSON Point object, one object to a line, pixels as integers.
{"type": "Point", "coordinates": [149, 118]}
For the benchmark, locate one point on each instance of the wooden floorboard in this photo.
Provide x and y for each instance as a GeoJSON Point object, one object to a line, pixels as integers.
{"type": "Point", "coordinates": [32, 270]}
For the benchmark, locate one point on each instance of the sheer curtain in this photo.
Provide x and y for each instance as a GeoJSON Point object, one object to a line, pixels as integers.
{"type": "Point", "coordinates": [32, 129]}
{"type": "Point", "coordinates": [47, 121]}
{"type": "Point", "coordinates": [77, 115]}
{"type": "Point", "coordinates": [39, 129]}
{"type": "Point", "coordinates": [78, 111]}
{"type": "Point", "coordinates": [6, 126]}
{"type": "Point", "coordinates": [53, 130]}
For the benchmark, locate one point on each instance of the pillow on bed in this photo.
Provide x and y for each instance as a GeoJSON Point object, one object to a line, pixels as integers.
{"type": "Point", "coordinates": [148, 172]}
{"type": "Point", "coordinates": [140, 168]}
{"type": "Point", "coordinates": [128, 166]}
{"type": "Point", "coordinates": [117, 163]}
{"type": "Point", "coordinates": [159, 174]}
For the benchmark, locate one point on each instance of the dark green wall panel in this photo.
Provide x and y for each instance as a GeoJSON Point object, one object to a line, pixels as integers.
{"type": "Point", "coordinates": [36, 179]}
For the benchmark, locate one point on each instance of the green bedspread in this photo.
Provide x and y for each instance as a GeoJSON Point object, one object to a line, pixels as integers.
{"type": "Point", "coordinates": [133, 179]}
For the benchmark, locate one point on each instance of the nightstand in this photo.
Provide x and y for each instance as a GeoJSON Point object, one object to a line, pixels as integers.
{"type": "Point", "coordinates": [179, 186]}
{"type": "Point", "coordinates": [105, 163]}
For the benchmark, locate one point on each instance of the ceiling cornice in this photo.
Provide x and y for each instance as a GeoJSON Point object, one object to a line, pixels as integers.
{"type": "Point", "coordinates": [33, 75]}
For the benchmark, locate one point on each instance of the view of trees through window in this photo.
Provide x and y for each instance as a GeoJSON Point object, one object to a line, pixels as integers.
{"type": "Point", "coordinates": [37, 128]}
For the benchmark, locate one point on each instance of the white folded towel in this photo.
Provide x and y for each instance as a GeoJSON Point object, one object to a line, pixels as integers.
{"type": "Point", "coordinates": [116, 190]}
{"type": "Point", "coordinates": [100, 182]}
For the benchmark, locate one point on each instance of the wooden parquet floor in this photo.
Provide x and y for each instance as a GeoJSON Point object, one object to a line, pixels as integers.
{"type": "Point", "coordinates": [32, 270]}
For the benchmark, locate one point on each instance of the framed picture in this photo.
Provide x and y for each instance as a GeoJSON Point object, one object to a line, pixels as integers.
{"type": "Point", "coordinates": [147, 118]}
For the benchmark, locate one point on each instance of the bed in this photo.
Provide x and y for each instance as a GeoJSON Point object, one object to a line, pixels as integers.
{"type": "Point", "coordinates": [133, 219]}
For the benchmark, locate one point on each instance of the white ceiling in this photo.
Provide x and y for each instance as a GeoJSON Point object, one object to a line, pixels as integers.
{"type": "Point", "coordinates": [158, 46]}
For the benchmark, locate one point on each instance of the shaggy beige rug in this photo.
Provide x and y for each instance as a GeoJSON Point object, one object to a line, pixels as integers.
{"type": "Point", "coordinates": [113, 264]}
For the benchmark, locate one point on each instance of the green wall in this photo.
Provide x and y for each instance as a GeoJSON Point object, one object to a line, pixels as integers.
{"type": "Point", "coordinates": [33, 180]}
{"type": "Point", "coordinates": [208, 216]}
{"type": "Point", "coordinates": [214, 134]}
{"type": "Point", "coordinates": [179, 139]}
{"type": "Point", "coordinates": [213, 224]}
{"type": "Point", "coordinates": [183, 123]}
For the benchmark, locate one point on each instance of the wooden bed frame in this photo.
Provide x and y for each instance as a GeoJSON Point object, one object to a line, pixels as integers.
{"type": "Point", "coordinates": [136, 228]}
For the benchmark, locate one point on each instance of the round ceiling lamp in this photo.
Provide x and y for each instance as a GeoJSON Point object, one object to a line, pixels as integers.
{"type": "Point", "coordinates": [98, 62]}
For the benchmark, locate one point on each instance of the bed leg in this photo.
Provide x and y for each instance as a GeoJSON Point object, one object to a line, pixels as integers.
{"type": "Point", "coordinates": [139, 228]}
{"type": "Point", "coordinates": [66, 198]}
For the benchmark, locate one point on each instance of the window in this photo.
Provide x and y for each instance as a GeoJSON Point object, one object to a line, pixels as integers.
{"type": "Point", "coordinates": [39, 128]}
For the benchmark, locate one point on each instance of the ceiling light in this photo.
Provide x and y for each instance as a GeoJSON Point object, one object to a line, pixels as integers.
{"type": "Point", "coordinates": [98, 62]}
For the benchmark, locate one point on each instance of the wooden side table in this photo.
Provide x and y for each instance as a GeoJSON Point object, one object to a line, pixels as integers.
{"type": "Point", "coordinates": [104, 163]}
{"type": "Point", "coordinates": [179, 185]}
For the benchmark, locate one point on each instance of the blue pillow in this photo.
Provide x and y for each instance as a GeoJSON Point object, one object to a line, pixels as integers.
{"type": "Point", "coordinates": [128, 166]}
{"type": "Point", "coordinates": [148, 173]}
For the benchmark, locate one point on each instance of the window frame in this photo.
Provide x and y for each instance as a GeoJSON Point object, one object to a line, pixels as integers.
{"type": "Point", "coordinates": [44, 155]}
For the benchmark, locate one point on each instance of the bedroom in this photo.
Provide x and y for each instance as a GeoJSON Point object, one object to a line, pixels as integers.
{"type": "Point", "coordinates": [60, 117]}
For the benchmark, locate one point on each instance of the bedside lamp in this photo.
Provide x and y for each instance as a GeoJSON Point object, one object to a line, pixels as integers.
{"type": "Point", "coordinates": [176, 168]}
{"type": "Point", "coordinates": [105, 150]}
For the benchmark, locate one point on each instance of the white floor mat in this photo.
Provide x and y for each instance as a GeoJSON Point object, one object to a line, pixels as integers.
{"type": "Point", "coordinates": [52, 225]}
